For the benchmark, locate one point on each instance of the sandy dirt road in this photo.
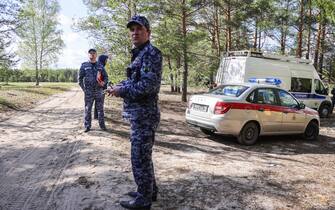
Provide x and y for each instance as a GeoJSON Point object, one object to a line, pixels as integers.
{"type": "Point", "coordinates": [47, 162]}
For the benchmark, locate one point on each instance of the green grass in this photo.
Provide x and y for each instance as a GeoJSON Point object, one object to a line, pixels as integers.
{"type": "Point", "coordinates": [22, 96]}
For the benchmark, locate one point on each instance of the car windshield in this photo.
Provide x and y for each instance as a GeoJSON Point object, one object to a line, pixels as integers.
{"type": "Point", "coordinates": [229, 90]}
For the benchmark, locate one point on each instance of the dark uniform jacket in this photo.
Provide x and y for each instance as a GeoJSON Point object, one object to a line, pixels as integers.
{"type": "Point", "coordinates": [87, 77]}
{"type": "Point", "coordinates": [140, 90]}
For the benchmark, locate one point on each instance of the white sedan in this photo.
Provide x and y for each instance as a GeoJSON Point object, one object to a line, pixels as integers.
{"type": "Point", "coordinates": [249, 110]}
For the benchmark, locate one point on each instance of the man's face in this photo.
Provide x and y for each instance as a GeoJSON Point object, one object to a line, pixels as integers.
{"type": "Point", "coordinates": [92, 56]}
{"type": "Point", "coordinates": [139, 34]}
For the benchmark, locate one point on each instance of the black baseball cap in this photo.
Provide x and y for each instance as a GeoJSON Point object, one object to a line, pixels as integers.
{"type": "Point", "coordinates": [141, 20]}
{"type": "Point", "coordinates": [92, 50]}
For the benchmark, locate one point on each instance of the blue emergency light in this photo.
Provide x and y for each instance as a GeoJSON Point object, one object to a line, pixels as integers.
{"type": "Point", "coordinates": [272, 81]}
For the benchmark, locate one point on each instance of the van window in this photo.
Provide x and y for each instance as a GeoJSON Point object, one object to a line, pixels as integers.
{"type": "Point", "coordinates": [319, 88]}
{"type": "Point", "coordinates": [301, 85]}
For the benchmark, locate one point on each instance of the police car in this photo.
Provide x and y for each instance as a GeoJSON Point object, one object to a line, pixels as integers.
{"type": "Point", "coordinates": [248, 110]}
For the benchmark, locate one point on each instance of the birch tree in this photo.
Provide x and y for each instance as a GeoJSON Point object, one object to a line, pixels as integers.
{"type": "Point", "coordinates": [41, 40]}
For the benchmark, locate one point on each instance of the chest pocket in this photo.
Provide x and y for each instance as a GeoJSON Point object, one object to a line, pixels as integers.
{"type": "Point", "coordinates": [91, 73]}
{"type": "Point", "coordinates": [134, 69]}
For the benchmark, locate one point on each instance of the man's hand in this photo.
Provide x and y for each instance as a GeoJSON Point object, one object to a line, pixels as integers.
{"type": "Point", "coordinates": [113, 91]}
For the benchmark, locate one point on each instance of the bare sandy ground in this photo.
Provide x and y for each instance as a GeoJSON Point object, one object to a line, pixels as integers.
{"type": "Point", "coordinates": [47, 162]}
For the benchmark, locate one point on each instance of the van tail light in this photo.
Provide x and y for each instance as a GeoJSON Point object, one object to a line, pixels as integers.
{"type": "Point", "coordinates": [221, 107]}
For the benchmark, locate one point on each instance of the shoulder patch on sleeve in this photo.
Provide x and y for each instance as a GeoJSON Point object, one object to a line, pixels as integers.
{"type": "Point", "coordinates": [146, 69]}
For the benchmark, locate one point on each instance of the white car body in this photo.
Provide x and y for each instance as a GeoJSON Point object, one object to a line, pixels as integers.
{"type": "Point", "coordinates": [274, 116]}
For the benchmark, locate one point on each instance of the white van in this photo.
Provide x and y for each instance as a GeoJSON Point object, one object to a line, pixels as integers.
{"type": "Point", "coordinates": [296, 75]}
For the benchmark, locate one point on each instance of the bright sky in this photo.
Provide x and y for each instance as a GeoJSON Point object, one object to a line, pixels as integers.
{"type": "Point", "coordinates": [76, 43]}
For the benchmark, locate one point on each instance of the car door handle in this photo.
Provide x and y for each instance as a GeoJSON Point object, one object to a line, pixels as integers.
{"type": "Point", "coordinates": [261, 109]}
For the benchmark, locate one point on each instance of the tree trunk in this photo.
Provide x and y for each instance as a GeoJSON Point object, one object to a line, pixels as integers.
{"type": "Point", "coordinates": [228, 30]}
{"type": "Point", "coordinates": [255, 35]}
{"type": "Point", "coordinates": [171, 73]}
{"type": "Point", "coordinates": [131, 8]}
{"type": "Point", "coordinates": [177, 77]}
{"type": "Point", "coordinates": [36, 53]}
{"type": "Point", "coordinates": [42, 38]}
{"type": "Point", "coordinates": [131, 4]}
{"type": "Point", "coordinates": [300, 30]}
{"type": "Point", "coordinates": [185, 72]}
{"type": "Point", "coordinates": [6, 76]}
{"type": "Point", "coordinates": [213, 35]}
{"type": "Point", "coordinates": [238, 40]}
{"type": "Point", "coordinates": [214, 51]}
{"type": "Point", "coordinates": [309, 28]}
{"type": "Point", "coordinates": [245, 39]}
{"type": "Point", "coordinates": [217, 28]}
{"type": "Point", "coordinates": [36, 76]}
{"type": "Point", "coordinates": [283, 40]}
{"type": "Point", "coordinates": [330, 70]}
{"type": "Point", "coordinates": [172, 83]}
{"type": "Point", "coordinates": [284, 31]}
{"type": "Point", "coordinates": [317, 46]}
{"type": "Point", "coordinates": [322, 48]}
{"type": "Point", "coordinates": [259, 40]}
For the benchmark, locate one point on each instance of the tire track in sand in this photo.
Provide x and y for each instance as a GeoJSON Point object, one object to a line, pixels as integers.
{"type": "Point", "coordinates": [40, 145]}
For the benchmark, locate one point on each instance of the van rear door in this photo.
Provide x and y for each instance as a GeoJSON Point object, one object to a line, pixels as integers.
{"type": "Point", "coordinates": [231, 70]}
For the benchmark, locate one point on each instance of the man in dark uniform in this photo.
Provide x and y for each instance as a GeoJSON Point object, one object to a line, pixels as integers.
{"type": "Point", "coordinates": [93, 91]}
{"type": "Point", "coordinates": [140, 93]}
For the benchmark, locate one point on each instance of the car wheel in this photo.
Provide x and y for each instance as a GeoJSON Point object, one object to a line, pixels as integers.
{"type": "Point", "coordinates": [324, 111]}
{"type": "Point", "coordinates": [249, 134]}
{"type": "Point", "coordinates": [206, 131]}
{"type": "Point", "coordinates": [311, 131]}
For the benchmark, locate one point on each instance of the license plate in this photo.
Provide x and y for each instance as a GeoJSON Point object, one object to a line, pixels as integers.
{"type": "Point", "coordinates": [199, 107]}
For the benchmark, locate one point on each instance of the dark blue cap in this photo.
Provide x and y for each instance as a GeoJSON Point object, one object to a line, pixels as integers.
{"type": "Point", "coordinates": [92, 50]}
{"type": "Point", "coordinates": [141, 20]}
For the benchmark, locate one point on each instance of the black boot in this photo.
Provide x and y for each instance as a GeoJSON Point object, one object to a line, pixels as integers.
{"type": "Point", "coordinates": [134, 194]}
{"type": "Point", "coordinates": [133, 204]}
{"type": "Point", "coordinates": [103, 126]}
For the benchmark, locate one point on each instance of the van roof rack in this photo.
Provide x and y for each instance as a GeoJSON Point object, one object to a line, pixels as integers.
{"type": "Point", "coordinates": [244, 53]}
{"type": "Point", "coordinates": [251, 53]}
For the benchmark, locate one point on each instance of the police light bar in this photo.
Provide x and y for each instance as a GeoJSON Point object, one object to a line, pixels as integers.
{"type": "Point", "coordinates": [272, 81]}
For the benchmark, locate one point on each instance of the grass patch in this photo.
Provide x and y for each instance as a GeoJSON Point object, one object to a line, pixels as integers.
{"type": "Point", "coordinates": [22, 96]}
{"type": "Point", "coordinates": [4, 103]}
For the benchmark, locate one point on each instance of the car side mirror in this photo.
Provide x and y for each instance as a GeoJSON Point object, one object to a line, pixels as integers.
{"type": "Point", "coordinates": [302, 106]}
